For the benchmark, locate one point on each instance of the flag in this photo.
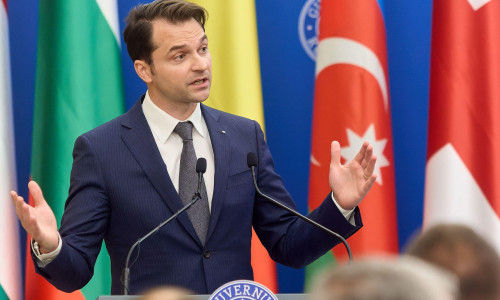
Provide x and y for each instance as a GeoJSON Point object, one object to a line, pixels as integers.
{"type": "Point", "coordinates": [3, 295]}
{"type": "Point", "coordinates": [236, 87]}
{"type": "Point", "coordinates": [351, 105]}
{"type": "Point", "coordinates": [10, 263]}
{"type": "Point", "coordinates": [463, 167]}
{"type": "Point", "coordinates": [78, 87]}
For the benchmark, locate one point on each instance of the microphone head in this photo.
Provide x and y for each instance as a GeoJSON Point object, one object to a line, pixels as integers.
{"type": "Point", "coordinates": [251, 159]}
{"type": "Point", "coordinates": [201, 165]}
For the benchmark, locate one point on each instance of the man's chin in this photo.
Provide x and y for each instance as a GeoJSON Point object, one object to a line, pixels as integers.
{"type": "Point", "coordinates": [200, 98]}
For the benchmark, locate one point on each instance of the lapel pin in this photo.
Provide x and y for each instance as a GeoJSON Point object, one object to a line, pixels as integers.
{"type": "Point", "coordinates": [223, 132]}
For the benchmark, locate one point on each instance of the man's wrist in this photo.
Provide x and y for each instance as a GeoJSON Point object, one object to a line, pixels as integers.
{"type": "Point", "coordinates": [43, 253]}
{"type": "Point", "coordinates": [347, 213]}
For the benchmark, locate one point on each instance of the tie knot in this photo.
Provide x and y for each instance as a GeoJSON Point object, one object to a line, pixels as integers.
{"type": "Point", "coordinates": [184, 130]}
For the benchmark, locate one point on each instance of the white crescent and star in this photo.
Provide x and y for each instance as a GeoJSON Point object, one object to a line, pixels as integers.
{"type": "Point", "coordinates": [337, 50]}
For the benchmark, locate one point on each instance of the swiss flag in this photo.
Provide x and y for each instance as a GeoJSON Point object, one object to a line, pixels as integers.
{"type": "Point", "coordinates": [351, 105]}
{"type": "Point", "coordinates": [463, 167]}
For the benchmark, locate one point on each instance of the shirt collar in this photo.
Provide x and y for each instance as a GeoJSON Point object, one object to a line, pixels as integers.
{"type": "Point", "coordinates": [162, 124]}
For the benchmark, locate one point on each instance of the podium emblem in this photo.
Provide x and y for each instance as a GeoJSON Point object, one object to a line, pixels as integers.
{"type": "Point", "coordinates": [243, 290]}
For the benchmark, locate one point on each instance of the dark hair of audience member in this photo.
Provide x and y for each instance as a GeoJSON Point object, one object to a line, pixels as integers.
{"type": "Point", "coordinates": [461, 250]}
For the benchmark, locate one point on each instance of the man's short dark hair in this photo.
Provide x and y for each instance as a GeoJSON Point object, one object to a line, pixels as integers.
{"type": "Point", "coordinates": [139, 30]}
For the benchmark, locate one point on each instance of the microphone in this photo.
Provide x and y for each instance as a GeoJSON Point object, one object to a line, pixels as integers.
{"type": "Point", "coordinates": [201, 167]}
{"type": "Point", "coordinates": [252, 163]}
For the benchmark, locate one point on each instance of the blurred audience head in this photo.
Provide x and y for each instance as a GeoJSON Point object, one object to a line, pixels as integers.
{"type": "Point", "coordinates": [462, 251]}
{"type": "Point", "coordinates": [167, 293]}
{"type": "Point", "coordinates": [385, 278]}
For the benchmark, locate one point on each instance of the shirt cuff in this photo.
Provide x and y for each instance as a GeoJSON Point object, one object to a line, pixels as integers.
{"type": "Point", "coordinates": [43, 259]}
{"type": "Point", "coordinates": [347, 213]}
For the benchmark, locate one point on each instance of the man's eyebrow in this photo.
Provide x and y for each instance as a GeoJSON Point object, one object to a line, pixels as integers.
{"type": "Point", "coordinates": [178, 47]}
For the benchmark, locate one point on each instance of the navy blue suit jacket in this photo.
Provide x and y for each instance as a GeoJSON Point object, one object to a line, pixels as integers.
{"type": "Point", "coordinates": [120, 189]}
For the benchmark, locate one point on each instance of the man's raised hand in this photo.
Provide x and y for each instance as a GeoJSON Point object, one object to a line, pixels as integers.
{"type": "Point", "coordinates": [39, 221]}
{"type": "Point", "coordinates": [351, 182]}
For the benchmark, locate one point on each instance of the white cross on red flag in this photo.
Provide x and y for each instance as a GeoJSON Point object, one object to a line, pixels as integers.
{"type": "Point", "coordinates": [463, 167]}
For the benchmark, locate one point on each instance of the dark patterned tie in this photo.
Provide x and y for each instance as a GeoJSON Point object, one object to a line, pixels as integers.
{"type": "Point", "coordinates": [199, 213]}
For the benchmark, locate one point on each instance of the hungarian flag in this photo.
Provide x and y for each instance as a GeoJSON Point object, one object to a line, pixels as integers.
{"type": "Point", "coordinates": [351, 105]}
{"type": "Point", "coordinates": [78, 87]}
{"type": "Point", "coordinates": [237, 86]}
{"type": "Point", "coordinates": [10, 260]}
{"type": "Point", "coordinates": [463, 167]}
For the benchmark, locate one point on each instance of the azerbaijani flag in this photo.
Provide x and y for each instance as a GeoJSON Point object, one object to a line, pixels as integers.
{"type": "Point", "coordinates": [10, 262]}
{"type": "Point", "coordinates": [351, 105]}
{"type": "Point", "coordinates": [78, 87]}
{"type": "Point", "coordinates": [463, 166]}
{"type": "Point", "coordinates": [236, 87]}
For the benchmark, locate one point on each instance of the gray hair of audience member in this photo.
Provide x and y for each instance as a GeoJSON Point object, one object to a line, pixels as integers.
{"type": "Point", "coordinates": [167, 293]}
{"type": "Point", "coordinates": [385, 278]}
{"type": "Point", "coordinates": [462, 251]}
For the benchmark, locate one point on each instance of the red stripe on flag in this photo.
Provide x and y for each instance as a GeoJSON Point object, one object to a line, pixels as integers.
{"type": "Point", "coordinates": [465, 89]}
{"type": "Point", "coordinates": [5, 4]}
{"type": "Point", "coordinates": [264, 268]}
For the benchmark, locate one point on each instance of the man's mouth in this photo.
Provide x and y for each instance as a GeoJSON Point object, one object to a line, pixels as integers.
{"type": "Point", "coordinates": [199, 81]}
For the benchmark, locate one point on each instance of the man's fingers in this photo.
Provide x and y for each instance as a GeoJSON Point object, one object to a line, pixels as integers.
{"type": "Point", "coordinates": [369, 183]}
{"type": "Point", "coordinates": [335, 152]}
{"type": "Point", "coordinates": [362, 153]}
{"type": "Point", "coordinates": [25, 213]}
{"type": "Point", "coordinates": [18, 202]}
{"type": "Point", "coordinates": [370, 165]}
{"type": "Point", "coordinates": [15, 197]}
{"type": "Point", "coordinates": [368, 153]}
{"type": "Point", "coordinates": [23, 210]}
{"type": "Point", "coordinates": [36, 193]}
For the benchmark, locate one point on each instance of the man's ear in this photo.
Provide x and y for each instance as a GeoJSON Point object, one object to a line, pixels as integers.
{"type": "Point", "coordinates": [143, 69]}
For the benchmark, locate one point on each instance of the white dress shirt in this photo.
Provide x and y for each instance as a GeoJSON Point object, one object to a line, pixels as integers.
{"type": "Point", "coordinates": [170, 144]}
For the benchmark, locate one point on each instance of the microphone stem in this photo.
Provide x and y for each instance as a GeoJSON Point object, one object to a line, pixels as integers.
{"type": "Point", "coordinates": [201, 166]}
{"type": "Point", "coordinates": [349, 253]}
{"type": "Point", "coordinates": [126, 270]}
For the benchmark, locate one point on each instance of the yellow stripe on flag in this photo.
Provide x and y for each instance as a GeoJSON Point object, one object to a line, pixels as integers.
{"type": "Point", "coordinates": [236, 85]}
{"type": "Point", "coordinates": [232, 40]}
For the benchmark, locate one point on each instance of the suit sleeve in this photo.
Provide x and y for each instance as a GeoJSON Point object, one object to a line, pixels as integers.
{"type": "Point", "coordinates": [83, 225]}
{"type": "Point", "coordinates": [288, 239]}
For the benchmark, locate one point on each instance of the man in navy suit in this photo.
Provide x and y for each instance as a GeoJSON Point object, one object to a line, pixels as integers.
{"type": "Point", "coordinates": [125, 179]}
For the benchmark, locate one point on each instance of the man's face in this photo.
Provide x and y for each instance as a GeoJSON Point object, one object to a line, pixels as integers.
{"type": "Point", "coordinates": [181, 69]}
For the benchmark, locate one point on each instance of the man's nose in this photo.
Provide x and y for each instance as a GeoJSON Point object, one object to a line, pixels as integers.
{"type": "Point", "coordinates": [200, 63]}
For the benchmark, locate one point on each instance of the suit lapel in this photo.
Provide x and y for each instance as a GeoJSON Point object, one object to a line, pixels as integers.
{"type": "Point", "coordinates": [139, 139]}
{"type": "Point", "coordinates": [219, 136]}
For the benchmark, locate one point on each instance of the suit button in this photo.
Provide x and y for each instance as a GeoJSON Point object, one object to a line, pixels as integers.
{"type": "Point", "coordinates": [206, 254]}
